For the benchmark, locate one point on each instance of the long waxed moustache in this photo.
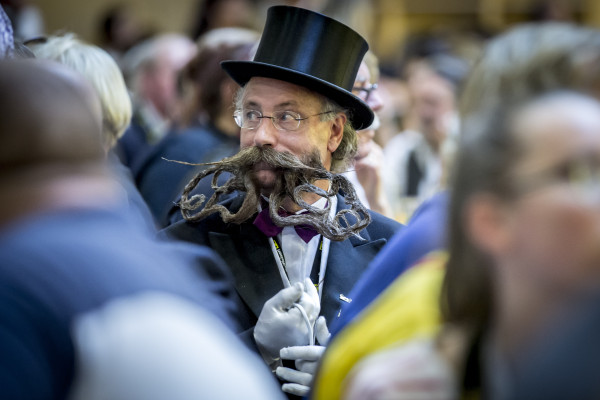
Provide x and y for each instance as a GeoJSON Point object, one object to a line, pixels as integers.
{"type": "Point", "coordinates": [294, 178]}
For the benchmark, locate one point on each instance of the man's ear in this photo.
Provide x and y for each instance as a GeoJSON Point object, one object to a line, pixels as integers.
{"type": "Point", "coordinates": [487, 222]}
{"type": "Point", "coordinates": [336, 132]}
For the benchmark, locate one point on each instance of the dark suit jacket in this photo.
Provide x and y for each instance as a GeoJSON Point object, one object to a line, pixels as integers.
{"type": "Point", "coordinates": [60, 265]}
{"type": "Point", "coordinates": [246, 250]}
{"type": "Point", "coordinates": [160, 181]}
{"type": "Point", "coordinates": [134, 142]}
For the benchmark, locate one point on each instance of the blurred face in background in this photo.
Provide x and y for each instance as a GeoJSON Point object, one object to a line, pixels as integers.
{"type": "Point", "coordinates": [433, 104]}
{"type": "Point", "coordinates": [367, 91]}
{"type": "Point", "coordinates": [552, 228]}
{"type": "Point", "coordinates": [160, 82]}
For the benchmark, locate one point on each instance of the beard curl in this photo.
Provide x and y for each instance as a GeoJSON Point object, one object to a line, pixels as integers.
{"type": "Point", "coordinates": [294, 178]}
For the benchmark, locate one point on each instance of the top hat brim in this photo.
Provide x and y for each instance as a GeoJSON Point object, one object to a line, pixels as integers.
{"type": "Point", "coordinates": [361, 115]}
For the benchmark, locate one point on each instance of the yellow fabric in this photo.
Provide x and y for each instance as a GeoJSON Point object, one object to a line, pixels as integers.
{"type": "Point", "coordinates": [408, 308]}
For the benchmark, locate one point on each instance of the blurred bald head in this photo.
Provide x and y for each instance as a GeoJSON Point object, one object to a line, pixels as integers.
{"type": "Point", "coordinates": [50, 116]}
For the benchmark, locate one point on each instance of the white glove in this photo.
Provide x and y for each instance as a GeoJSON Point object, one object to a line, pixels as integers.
{"type": "Point", "coordinates": [306, 359]}
{"type": "Point", "coordinates": [287, 320]}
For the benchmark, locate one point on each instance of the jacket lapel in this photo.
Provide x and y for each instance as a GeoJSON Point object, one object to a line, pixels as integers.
{"type": "Point", "coordinates": [346, 262]}
{"type": "Point", "coordinates": [246, 250]}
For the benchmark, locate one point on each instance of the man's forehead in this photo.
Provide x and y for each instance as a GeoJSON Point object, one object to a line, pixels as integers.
{"type": "Point", "coordinates": [559, 112]}
{"type": "Point", "coordinates": [273, 91]}
{"type": "Point", "coordinates": [363, 75]}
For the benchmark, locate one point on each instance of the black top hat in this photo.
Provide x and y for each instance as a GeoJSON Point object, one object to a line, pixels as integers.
{"type": "Point", "coordinates": [310, 50]}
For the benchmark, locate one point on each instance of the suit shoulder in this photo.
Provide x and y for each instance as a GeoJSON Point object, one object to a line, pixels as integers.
{"type": "Point", "coordinates": [197, 232]}
{"type": "Point", "coordinates": [382, 227]}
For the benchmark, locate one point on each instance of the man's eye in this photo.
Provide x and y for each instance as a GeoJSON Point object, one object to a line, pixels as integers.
{"type": "Point", "coordinates": [251, 115]}
{"type": "Point", "coordinates": [287, 116]}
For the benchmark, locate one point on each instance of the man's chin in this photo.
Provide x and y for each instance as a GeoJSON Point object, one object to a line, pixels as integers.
{"type": "Point", "coordinates": [265, 180]}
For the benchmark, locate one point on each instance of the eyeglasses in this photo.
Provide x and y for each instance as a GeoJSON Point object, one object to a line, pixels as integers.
{"type": "Point", "coordinates": [35, 41]}
{"type": "Point", "coordinates": [583, 176]}
{"type": "Point", "coordinates": [282, 120]}
{"type": "Point", "coordinates": [367, 89]}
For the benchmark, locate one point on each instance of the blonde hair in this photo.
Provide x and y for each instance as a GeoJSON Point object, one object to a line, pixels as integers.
{"type": "Point", "coordinates": [101, 71]}
{"type": "Point", "coordinates": [372, 63]}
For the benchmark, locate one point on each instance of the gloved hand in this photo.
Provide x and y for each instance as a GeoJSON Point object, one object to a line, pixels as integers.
{"type": "Point", "coordinates": [306, 359]}
{"type": "Point", "coordinates": [287, 320]}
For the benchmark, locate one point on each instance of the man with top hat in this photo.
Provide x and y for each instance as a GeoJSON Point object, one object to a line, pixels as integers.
{"type": "Point", "coordinates": [288, 225]}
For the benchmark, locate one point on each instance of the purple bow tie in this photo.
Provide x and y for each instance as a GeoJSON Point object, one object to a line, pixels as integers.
{"type": "Point", "coordinates": [265, 224]}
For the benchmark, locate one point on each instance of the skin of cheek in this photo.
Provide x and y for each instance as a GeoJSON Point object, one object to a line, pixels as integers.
{"type": "Point", "coordinates": [557, 241]}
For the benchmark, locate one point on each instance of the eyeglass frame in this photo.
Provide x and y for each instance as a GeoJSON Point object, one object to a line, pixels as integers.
{"type": "Point", "coordinates": [581, 175]}
{"type": "Point", "coordinates": [35, 40]}
{"type": "Point", "coordinates": [369, 89]}
{"type": "Point", "coordinates": [238, 113]}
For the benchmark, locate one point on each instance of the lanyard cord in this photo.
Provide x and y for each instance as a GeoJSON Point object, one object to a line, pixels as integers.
{"type": "Point", "coordinates": [322, 254]}
{"type": "Point", "coordinates": [280, 261]}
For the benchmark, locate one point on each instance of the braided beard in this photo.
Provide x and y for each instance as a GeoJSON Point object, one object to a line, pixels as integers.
{"type": "Point", "coordinates": [294, 178]}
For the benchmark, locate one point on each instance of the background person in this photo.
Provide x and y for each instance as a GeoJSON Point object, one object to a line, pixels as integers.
{"type": "Point", "coordinates": [152, 69]}
{"type": "Point", "coordinates": [413, 158]}
{"type": "Point", "coordinates": [366, 171]}
{"type": "Point", "coordinates": [207, 132]}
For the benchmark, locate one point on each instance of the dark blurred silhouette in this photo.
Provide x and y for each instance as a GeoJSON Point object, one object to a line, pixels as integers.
{"type": "Point", "coordinates": [91, 306]}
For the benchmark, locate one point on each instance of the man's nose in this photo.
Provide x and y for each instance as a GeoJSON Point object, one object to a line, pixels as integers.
{"type": "Point", "coordinates": [375, 101]}
{"type": "Point", "coordinates": [266, 134]}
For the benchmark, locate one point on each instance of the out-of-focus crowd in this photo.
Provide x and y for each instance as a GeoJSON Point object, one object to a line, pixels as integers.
{"type": "Point", "coordinates": [262, 214]}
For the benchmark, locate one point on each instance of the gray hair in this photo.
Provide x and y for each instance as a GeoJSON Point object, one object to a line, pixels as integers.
{"type": "Point", "coordinates": [146, 54]}
{"type": "Point", "coordinates": [344, 154]}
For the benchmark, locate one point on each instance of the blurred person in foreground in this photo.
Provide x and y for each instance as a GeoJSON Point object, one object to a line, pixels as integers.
{"type": "Point", "coordinates": [100, 69]}
{"type": "Point", "coordinates": [524, 240]}
{"type": "Point", "coordinates": [366, 171]}
{"type": "Point", "coordinates": [564, 364]}
{"type": "Point", "coordinates": [397, 298]}
{"type": "Point", "coordinates": [90, 306]}
{"type": "Point", "coordinates": [151, 70]}
{"type": "Point", "coordinates": [206, 132]}
{"type": "Point", "coordinates": [294, 234]}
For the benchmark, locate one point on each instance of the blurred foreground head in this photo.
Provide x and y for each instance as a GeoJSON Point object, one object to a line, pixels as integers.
{"type": "Point", "coordinates": [51, 127]}
{"type": "Point", "coordinates": [533, 59]}
{"type": "Point", "coordinates": [522, 64]}
{"type": "Point", "coordinates": [50, 115]}
{"type": "Point", "coordinates": [526, 201]}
